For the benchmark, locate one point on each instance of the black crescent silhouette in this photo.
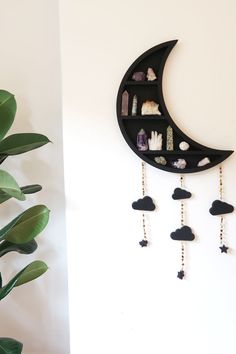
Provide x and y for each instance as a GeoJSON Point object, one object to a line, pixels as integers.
{"type": "Point", "coordinates": [152, 90]}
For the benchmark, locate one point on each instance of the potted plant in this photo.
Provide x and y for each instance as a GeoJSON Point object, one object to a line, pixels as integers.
{"type": "Point", "coordinates": [18, 235]}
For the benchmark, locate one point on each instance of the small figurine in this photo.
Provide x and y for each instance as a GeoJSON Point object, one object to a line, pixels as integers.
{"type": "Point", "coordinates": [151, 76]}
{"type": "Point", "coordinates": [125, 103]}
{"type": "Point", "coordinates": [150, 108]}
{"type": "Point", "coordinates": [138, 76]}
{"type": "Point", "coordinates": [155, 143]}
{"type": "Point", "coordinates": [142, 141]}
{"type": "Point", "coordinates": [134, 106]}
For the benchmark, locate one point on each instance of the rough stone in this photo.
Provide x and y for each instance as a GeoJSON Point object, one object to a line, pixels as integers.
{"type": "Point", "coordinates": [160, 160]}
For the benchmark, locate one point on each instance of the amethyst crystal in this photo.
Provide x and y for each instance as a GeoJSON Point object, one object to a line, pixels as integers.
{"type": "Point", "coordinates": [142, 141]}
{"type": "Point", "coordinates": [139, 76]}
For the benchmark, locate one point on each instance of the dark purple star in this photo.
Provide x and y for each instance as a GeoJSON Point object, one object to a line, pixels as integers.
{"type": "Point", "coordinates": [180, 274]}
{"type": "Point", "coordinates": [143, 243]}
{"type": "Point", "coordinates": [224, 249]}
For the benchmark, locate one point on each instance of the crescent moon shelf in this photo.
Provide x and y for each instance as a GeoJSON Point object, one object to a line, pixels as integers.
{"type": "Point", "coordinates": [130, 124]}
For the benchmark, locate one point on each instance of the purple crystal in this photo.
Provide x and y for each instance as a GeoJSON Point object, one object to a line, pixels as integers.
{"type": "Point", "coordinates": [142, 140]}
{"type": "Point", "coordinates": [139, 76]}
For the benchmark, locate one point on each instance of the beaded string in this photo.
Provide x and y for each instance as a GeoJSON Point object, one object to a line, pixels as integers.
{"type": "Point", "coordinates": [181, 272]}
{"type": "Point", "coordinates": [144, 242]}
{"type": "Point", "coordinates": [223, 247]}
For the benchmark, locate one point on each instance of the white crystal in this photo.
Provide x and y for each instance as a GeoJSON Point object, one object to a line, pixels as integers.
{"type": "Point", "coordinates": [204, 162]}
{"type": "Point", "coordinates": [134, 106]}
{"type": "Point", "coordinates": [151, 76]}
{"type": "Point", "coordinates": [183, 146]}
{"type": "Point", "coordinates": [155, 143]}
{"type": "Point", "coordinates": [150, 108]}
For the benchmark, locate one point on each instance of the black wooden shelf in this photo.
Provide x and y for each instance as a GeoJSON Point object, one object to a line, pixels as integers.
{"type": "Point", "coordinates": [179, 152]}
{"type": "Point", "coordinates": [144, 117]}
{"type": "Point", "coordinates": [130, 126]}
{"type": "Point", "coordinates": [141, 83]}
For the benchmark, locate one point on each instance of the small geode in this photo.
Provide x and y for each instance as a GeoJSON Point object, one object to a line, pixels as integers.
{"type": "Point", "coordinates": [150, 108]}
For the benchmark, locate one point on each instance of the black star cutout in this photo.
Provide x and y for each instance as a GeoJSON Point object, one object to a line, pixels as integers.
{"type": "Point", "coordinates": [143, 243]}
{"type": "Point", "coordinates": [180, 274]}
{"type": "Point", "coordinates": [224, 249]}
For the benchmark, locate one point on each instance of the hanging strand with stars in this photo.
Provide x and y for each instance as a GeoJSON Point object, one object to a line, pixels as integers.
{"type": "Point", "coordinates": [223, 246]}
{"type": "Point", "coordinates": [144, 241]}
{"type": "Point", "coordinates": [181, 272]}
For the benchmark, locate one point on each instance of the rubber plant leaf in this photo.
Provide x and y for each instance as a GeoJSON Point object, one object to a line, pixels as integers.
{"type": "Point", "coordinates": [26, 226]}
{"type": "Point", "coordinates": [10, 346]}
{"type": "Point", "coordinates": [30, 189]}
{"type": "Point", "coordinates": [27, 274]}
{"type": "Point", "coordinates": [19, 143]}
{"type": "Point", "coordinates": [25, 248]}
{"type": "Point", "coordinates": [7, 112]}
{"type": "Point", "coordinates": [9, 186]}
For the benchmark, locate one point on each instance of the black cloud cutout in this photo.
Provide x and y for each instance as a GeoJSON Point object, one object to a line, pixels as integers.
{"type": "Point", "coordinates": [145, 203]}
{"type": "Point", "coordinates": [180, 193]}
{"type": "Point", "coordinates": [183, 234]}
{"type": "Point", "coordinates": [218, 208]}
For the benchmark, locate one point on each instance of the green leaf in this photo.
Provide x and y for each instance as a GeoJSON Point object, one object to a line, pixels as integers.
{"type": "Point", "coordinates": [26, 226]}
{"type": "Point", "coordinates": [10, 346]}
{"type": "Point", "coordinates": [7, 112]}
{"type": "Point", "coordinates": [31, 272]}
{"type": "Point", "coordinates": [4, 291]}
{"type": "Point", "coordinates": [25, 248]}
{"type": "Point", "coordinates": [27, 274]}
{"type": "Point", "coordinates": [30, 189]}
{"type": "Point", "coordinates": [9, 186]}
{"type": "Point", "coordinates": [4, 197]}
{"type": "Point", "coordinates": [19, 143]}
{"type": "Point", "coordinates": [3, 158]}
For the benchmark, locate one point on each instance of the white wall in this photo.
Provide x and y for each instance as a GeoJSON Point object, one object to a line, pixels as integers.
{"type": "Point", "coordinates": [124, 299]}
{"type": "Point", "coordinates": [36, 314]}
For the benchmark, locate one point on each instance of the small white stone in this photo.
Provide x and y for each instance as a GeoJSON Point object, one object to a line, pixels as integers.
{"type": "Point", "coordinates": [183, 146]}
{"type": "Point", "coordinates": [204, 162]}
